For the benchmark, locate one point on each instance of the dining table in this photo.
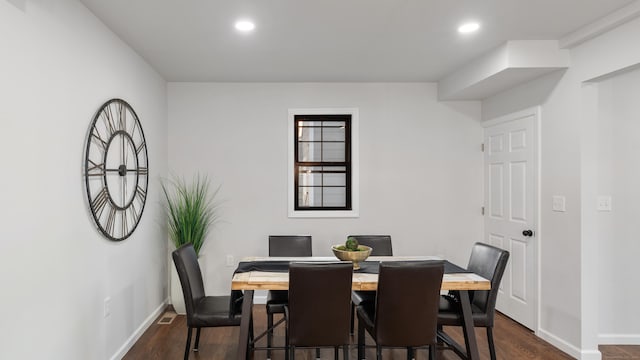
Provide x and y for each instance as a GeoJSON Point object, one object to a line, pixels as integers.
{"type": "Point", "coordinates": [265, 273]}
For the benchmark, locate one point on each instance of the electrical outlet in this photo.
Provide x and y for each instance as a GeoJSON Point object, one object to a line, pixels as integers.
{"type": "Point", "coordinates": [230, 260]}
{"type": "Point", "coordinates": [107, 307]}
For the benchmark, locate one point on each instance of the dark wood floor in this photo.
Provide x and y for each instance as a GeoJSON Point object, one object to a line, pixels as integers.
{"type": "Point", "coordinates": [512, 342]}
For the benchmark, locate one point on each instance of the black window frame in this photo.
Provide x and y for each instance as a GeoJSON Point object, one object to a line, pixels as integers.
{"type": "Point", "coordinates": [297, 164]}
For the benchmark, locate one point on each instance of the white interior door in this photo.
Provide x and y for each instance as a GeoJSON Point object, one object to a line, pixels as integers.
{"type": "Point", "coordinates": [510, 164]}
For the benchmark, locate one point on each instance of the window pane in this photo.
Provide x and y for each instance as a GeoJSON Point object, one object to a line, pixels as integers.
{"type": "Point", "coordinates": [309, 151]}
{"type": "Point", "coordinates": [309, 196]}
{"type": "Point", "coordinates": [333, 152]}
{"type": "Point", "coordinates": [333, 179]}
{"type": "Point", "coordinates": [309, 123]}
{"type": "Point", "coordinates": [333, 134]}
{"type": "Point", "coordinates": [334, 123]}
{"type": "Point", "coordinates": [335, 196]}
{"type": "Point", "coordinates": [309, 176]}
{"type": "Point", "coordinates": [309, 134]}
{"type": "Point", "coordinates": [335, 168]}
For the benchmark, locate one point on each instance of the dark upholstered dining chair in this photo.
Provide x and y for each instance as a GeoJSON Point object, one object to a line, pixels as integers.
{"type": "Point", "coordinates": [405, 312]}
{"type": "Point", "coordinates": [318, 309]}
{"type": "Point", "coordinates": [283, 246]}
{"type": "Point", "coordinates": [380, 246]}
{"type": "Point", "coordinates": [489, 262]}
{"type": "Point", "coordinates": [202, 311]}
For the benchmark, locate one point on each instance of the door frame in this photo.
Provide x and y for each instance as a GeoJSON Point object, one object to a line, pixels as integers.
{"type": "Point", "coordinates": [536, 112]}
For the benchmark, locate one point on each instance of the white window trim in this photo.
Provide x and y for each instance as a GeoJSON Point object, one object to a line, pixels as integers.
{"type": "Point", "coordinates": [355, 165]}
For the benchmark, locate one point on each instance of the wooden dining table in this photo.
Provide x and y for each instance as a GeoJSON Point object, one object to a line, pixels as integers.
{"type": "Point", "coordinates": [264, 280]}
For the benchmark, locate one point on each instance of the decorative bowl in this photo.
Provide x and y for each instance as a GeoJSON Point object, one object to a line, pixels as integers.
{"type": "Point", "coordinates": [354, 256]}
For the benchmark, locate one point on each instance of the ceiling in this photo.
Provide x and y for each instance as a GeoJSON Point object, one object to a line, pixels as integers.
{"type": "Point", "coordinates": [332, 40]}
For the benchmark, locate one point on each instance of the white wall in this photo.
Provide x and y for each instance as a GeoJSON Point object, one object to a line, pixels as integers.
{"type": "Point", "coordinates": [569, 252]}
{"type": "Point", "coordinates": [420, 165]}
{"type": "Point", "coordinates": [618, 176]}
{"type": "Point", "coordinates": [58, 64]}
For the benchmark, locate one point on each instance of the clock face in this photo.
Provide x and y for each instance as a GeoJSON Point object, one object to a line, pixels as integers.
{"type": "Point", "coordinates": [116, 169]}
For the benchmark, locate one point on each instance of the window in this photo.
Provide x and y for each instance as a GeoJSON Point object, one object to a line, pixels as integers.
{"type": "Point", "coordinates": [323, 163]}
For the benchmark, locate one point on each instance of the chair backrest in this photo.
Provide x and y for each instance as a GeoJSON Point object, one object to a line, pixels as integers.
{"type": "Point", "coordinates": [290, 245]}
{"type": "Point", "coordinates": [319, 303]}
{"type": "Point", "coordinates": [380, 244]}
{"type": "Point", "coordinates": [407, 302]}
{"type": "Point", "coordinates": [489, 262]}
{"type": "Point", "coordinates": [186, 262]}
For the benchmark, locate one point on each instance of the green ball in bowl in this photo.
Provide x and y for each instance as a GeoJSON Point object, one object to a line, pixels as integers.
{"type": "Point", "coordinates": [351, 244]}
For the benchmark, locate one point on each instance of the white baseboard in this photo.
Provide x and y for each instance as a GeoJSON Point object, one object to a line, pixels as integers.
{"type": "Point", "coordinates": [561, 344]}
{"type": "Point", "coordinates": [139, 331]}
{"type": "Point", "coordinates": [259, 299]}
{"type": "Point", "coordinates": [590, 355]}
{"type": "Point", "coordinates": [619, 339]}
{"type": "Point", "coordinates": [568, 348]}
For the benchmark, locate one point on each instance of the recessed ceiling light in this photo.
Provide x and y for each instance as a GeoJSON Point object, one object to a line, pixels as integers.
{"type": "Point", "coordinates": [245, 25]}
{"type": "Point", "coordinates": [468, 27]}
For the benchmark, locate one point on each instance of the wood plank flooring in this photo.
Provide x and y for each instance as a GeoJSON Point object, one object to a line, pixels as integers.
{"type": "Point", "coordinates": [616, 352]}
{"type": "Point", "coordinates": [512, 342]}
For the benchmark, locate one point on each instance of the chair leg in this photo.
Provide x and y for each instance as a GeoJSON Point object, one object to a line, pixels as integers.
{"type": "Point", "coordinates": [345, 352]}
{"type": "Point", "coordinates": [286, 338]}
{"type": "Point", "coordinates": [317, 353]}
{"type": "Point", "coordinates": [378, 352]}
{"type": "Point", "coordinates": [195, 347]}
{"type": "Point", "coordinates": [336, 352]}
{"type": "Point", "coordinates": [492, 346]}
{"type": "Point", "coordinates": [360, 341]}
{"type": "Point", "coordinates": [269, 334]}
{"type": "Point", "coordinates": [353, 310]}
{"type": "Point", "coordinates": [251, 329]}
{"type": "Point", "coordinates": [292, 352]}
{"type": "Point", "coordinates": [432, 352]}
{"type": "Point", "coordinates": [409, 353]}
{"type": "Point", "coordinates": [186, 350]}
{"type": "Point", "coordinates": [452, 344]}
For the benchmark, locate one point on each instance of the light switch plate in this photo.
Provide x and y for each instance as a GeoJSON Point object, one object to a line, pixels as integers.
{"type": "Point", "coordinates": [107, 307]}
{"type": "Point", "coordinates": [559, 203]}
{"type": "Point", "coordinates": [230, 261]}
{"type": "Point", "coordinates": [604, 203]}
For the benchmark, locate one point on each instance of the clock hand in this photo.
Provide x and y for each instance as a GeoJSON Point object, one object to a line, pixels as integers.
{"type": "Point", "coordinates": [122, 184]}
{"type": "Point", "coordinates": [120, 169]}
{"type": "Point", "coordinates": [122, 153]}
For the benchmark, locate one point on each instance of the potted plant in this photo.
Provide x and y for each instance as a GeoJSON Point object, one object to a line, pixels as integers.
{"type": "Point", "coordinates": [191, 212]}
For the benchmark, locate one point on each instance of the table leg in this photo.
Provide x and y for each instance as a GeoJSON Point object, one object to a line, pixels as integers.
{"type": "Point", "coordinates": [245, 325]}
{"type": "Point", "coordinates": [468, 328]}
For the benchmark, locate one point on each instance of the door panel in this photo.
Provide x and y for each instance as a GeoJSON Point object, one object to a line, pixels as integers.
{"type": "Point", "coordinates": [518, 195]}
{"type": "Point", "coordinates": [519, 270]}
{"type": "Point", "coordinates": [497, 186]}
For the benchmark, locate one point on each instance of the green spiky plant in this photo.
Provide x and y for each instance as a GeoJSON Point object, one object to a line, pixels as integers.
{"type": "Point", "coordinates": [191, 210]}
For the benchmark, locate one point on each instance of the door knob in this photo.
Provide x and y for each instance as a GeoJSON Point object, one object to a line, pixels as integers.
{"type": "Point", "coordinates": [527, 233]}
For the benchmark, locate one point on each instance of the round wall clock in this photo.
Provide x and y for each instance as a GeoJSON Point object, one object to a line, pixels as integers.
{"type": "Point", "coordinates": [116, 169]}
